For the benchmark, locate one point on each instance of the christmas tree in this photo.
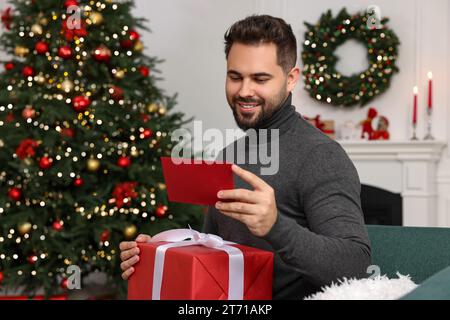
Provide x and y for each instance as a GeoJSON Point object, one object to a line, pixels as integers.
{"type": "Point", "coordinates": [82, 129]}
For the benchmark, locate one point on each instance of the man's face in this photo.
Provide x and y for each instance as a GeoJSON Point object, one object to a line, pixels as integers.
{"type": "Point", "coordinates": [256, 85]}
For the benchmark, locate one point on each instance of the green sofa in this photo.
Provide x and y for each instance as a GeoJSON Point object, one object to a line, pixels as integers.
{"type": "Point", "coordinates": [423, 253]}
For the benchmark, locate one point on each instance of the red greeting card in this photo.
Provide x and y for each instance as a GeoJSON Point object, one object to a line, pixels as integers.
{"type": "Point", "coordinates": [196, 183]}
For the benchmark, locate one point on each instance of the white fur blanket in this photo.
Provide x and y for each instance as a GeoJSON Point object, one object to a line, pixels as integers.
{"type": "Point", "coordinates": [377, 288]}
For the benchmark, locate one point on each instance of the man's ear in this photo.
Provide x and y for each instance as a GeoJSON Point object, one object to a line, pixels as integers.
{"type": "Point", "coordinates": [292, 78]}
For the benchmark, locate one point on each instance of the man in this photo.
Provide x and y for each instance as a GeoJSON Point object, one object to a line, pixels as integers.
{"type": "Point", "coordinates": [308, 213]}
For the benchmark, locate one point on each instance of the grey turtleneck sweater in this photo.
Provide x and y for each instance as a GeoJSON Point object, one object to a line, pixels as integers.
{"type": "Point", "coordinates": [319, 235]}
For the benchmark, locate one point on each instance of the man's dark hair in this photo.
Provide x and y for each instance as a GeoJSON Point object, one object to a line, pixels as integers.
{"type": "Point", "coordinates": [258, 29]}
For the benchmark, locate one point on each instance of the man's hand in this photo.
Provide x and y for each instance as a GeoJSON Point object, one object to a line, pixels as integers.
{"type": "Point", "coordinates": [129, 254]}
{"type": "Point", "coordinates": [256, 209]}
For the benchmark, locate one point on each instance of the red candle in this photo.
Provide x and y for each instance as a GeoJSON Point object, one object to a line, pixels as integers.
{"type": "Point", "coordinates": [415, 106]}
{"type": "Point", "coordinates": [430, 89]}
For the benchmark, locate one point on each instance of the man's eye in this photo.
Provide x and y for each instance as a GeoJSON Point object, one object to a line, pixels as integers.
{"type": "Point", "coordinates": [235, 78]}
{"type": "Point", "coordinates": [261, 80]}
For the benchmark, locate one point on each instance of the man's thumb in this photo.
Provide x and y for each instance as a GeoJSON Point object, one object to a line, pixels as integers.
{"type": "Point", "coordinates": [143, 238]}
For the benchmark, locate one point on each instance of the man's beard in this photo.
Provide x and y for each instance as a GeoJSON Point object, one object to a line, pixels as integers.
{"type": "Point", "coordinates": [267, 109]}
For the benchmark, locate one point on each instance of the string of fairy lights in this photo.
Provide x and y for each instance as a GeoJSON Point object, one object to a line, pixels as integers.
{"type": "Point", "coordinates": [84, 97]}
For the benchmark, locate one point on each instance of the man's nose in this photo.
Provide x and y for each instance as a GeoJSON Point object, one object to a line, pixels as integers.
{"type": "Point", "coordinates": [246, 89]}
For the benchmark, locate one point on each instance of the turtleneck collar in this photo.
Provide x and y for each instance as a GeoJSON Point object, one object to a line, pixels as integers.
{"type": "Point", "coordinates": [282, 118]}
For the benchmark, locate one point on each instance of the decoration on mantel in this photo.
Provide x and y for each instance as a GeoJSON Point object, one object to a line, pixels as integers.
{"type": "Point", "coordinates": [323, 82]}
{"type": "Point", "coordinates": [414, 121]}
{"type": "Point", "coordinates": [326, 126]}
{"type": "Point", "coordinates": [429, 136]}
{"type": "Point", "coordinates": [382, 123]}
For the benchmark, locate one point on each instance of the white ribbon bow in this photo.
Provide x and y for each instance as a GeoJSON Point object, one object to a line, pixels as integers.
{"type": "Point", "coordinates": [177, 237]}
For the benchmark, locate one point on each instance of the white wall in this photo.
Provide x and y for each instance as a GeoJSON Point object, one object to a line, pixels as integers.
{"type": "Point", "coordinates": [188, 34]}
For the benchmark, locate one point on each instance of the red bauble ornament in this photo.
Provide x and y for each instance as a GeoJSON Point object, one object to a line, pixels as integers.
{"type": "Point", "coordinates": [28, 112]}
{"type": "Point", "coordinates": [144, 71]}
{"type": "Point", "coordinates": [102, 54]}
{"type": "Point", "coordinates": [145, 117]}
{"type": "Point", "coordinates": [134, 36]}
{"type": "Point", "coordinates": [1, 277]}
{"type": "Point", "coordinates": [69, 3]}
{"type": "Point", "coordinates": [116, 93]}
{"type": "Point", "coordinates": [57, 225]}
{"type": "Point", "coordinates": [27, 71]}
{"type": "Point", "coordinates": [147, 133]}
{"type": "Point", "coordinates": [78, 182]}
{"type": "Point", "coordinates": [124, 162]}
{"type": "Point", "coordinates": [64, 283]}
{"type": "Point", "coordinates": [41, 47]}
{"type": "Point", "coordinates": [9, 66]}
{"type": "Point", "coordinates": [65, 52]}
{"type": "Point", "coordinates": [80, 103]}
{"type": "Point", "coordinates": [105, 235]}
{"type": "Point", "coordinates": [68, 132]}
{"type": "Point", "coordinates": [45, 163]}
{"type": "Point", "coordinates": [7, 18]}
{"type": "Point", "coordinates": [10, 117]}
{"type": "Point", "coordinates": [32, 259]}
{"type": "Point", "coordinates": [15, 194]}
{"type": "Point", "coordinates": [161, 211]}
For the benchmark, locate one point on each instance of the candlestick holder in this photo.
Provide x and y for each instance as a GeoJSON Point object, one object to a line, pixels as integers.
{"type": "Point", "coordinates": [429, 136]}
{"type": "Point", "coordinates": [414, 136]}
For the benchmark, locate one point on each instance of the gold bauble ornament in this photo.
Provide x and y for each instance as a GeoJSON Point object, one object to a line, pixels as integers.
{"type": "Point", "coordinates": [161, 186]}
{"type": "Point", "coordinates": [43, 21]}
{"type": "Point", "coordinates": [162, 110]}
{"type": "Point", "coordinates": [2, 144]}
{"type": "Point", "coordinates": [130, 232]}
{"type": "Point", "coordinates": [139, 46]}
{"type": "Point", "coordinates": [96, 18]}
{"type": "Point", "coordinates": [36, 29]}
{"type": "Point", "coordinates": [39, 78]}
{"type": "Point", "coordinates": [93, 165]}
{"type": "Point", "coordinates": [24, 228]}
{"type": "Point", "coordinates": [21, 51]}
{"type": "Point", "coordinates": [152, 107]}
{"type": "Point", "coordinates": [120, 74]}
{"type": "Point", "coordinates": [67, 85]}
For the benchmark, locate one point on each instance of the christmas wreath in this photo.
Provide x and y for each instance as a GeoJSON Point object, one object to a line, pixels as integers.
{"type": "Point", "coordinates": [324, 83]}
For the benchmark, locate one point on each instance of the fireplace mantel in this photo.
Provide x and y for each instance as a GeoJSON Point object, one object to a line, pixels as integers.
{"type": "Point", "coordinates": [405, 167]}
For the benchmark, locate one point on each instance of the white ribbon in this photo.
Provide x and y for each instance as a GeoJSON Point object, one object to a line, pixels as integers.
{"type": "Point", "coordinates": [177, 237]}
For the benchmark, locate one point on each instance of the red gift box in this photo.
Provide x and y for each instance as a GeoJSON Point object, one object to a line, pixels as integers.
{"type": "Point", "coordinates": [200, 273]}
